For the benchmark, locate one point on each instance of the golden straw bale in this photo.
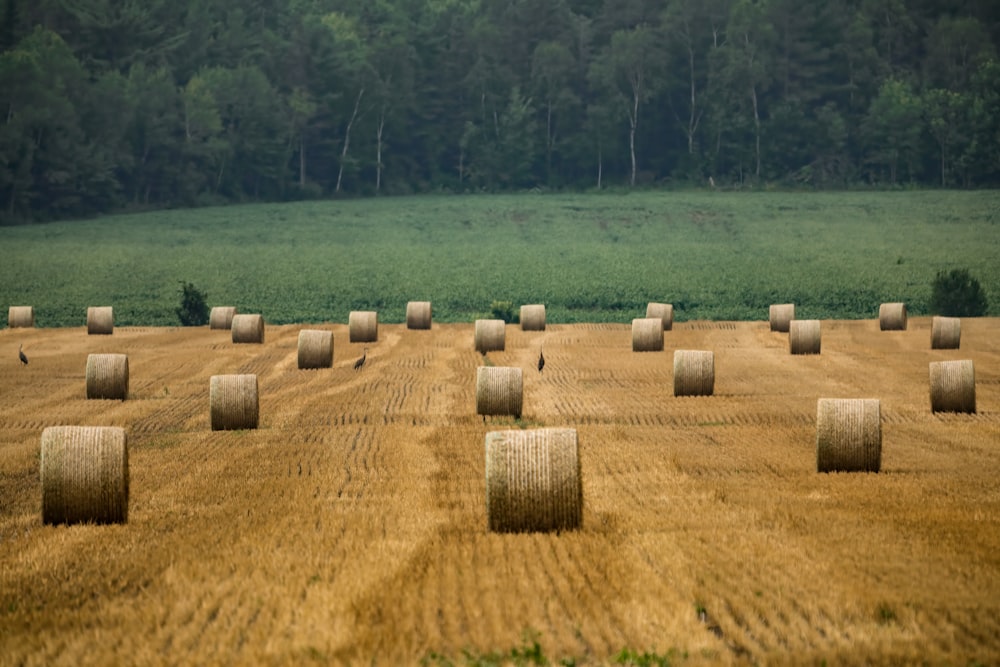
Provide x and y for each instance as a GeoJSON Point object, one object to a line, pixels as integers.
{"type": "Point", "coordinates": [533, 317]}
{"type": "Point", "coordinates": [848, 435]}
{"type": "Point", "coordinates": [647, 334]}
{"type": "Point", "coordinates": [780, 316]}
{"type": "Point", "coordinates": [315, 348]}
{"type": "Point", "coordinates": [233, 402]}
{"type": "Point", "coordinates": [100, 320]}
{"type": "Point", "coordinates": [248, 328]}
{"type": "Point", "coordinates": [418, 315]}
{"type": "Point", "coordinates": [107, 376]}
{"type": "Point", "coordinates": [499, 391]}
{"type": "Point", "coordinates": [362, 326]}
{"type": "Point", "coordinates": [21, 317]}
{"type": "Point", "coordinates": [664, 311]}
{"type": "Point", "coordinates": [84, 471]}
{"type": "Point", "coordinates": [221, 317]}
{"type": "Point", "coordinates": [694, 373]}
{"type": "Point", "coordinates": [953, 386]}
{"type": "Point", "coordinates": [804, 336]}
{"type": "Point", "coordinates": [946, 333]}
{"type": "Point", "coordinates": [892, 317]}
{"type": "Point", "coordinates": [490, 335]}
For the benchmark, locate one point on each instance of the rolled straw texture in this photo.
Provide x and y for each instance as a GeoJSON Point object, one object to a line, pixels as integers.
{"type": "Point", "coordinates": [221, 317]}
{"type": "Point", "coordinates": [418, 315]}
{"type": "Point", "coordinates": [647, 334]}
{"type": "Point", "coordinates": [248, 328]}
{"type": "Point", "coordinates": [363, 326]}
{"type": "Point", "coordinates": [499, 391]}
{"type": "Point", "coordinates": [315, 348]}
{"type": "Point", "coordinates": [84, 471]}
{"type": "Point", "coordinates": [848, 435]}
{"type": "Point", "coordinates": [953, 386]}
{"type": "Point", "coordinates": [533, 480]}
{"type": "Point", "coordinates": [233, 402]}
{"type": "Point", "coordinates": [694, 373]}
{"type": "Point", "coordinates": [107, 376]}
{"type": "Point", "coordinates": [804, 337]}
{"type": "Point", "coordinates": [533, 317]}
{"type": "Point", "coordinates": [490, 335]}
{"type": "Point", "coordinates": [100, 320]}
{"type": "Point", "coordinates": [946, 333]}
{"type": "Point", "coordinates": [664, 311]}
{"type": "Point", "coordinates": [892, 317]}
{"type": "Point", "coordinates": [781, 315]}
{"type": "Point", "coordinates": [21, 317]}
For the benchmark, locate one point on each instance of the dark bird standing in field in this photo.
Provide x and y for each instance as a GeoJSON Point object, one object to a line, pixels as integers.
{"type": "Point", "coordinates": [21, 355]}
{"type": "Point", "coordinates": [361, 362]}
{"type": "Point", "coordinates": [541, 360]}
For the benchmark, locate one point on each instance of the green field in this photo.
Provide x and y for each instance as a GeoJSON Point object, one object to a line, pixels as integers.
{"type": "Point", "coordinates": [589, 257]}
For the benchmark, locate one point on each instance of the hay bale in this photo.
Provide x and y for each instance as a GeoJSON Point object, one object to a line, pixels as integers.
{"type": "Point", "coordinates": [780, 316]}
{"type": "Point", "coordinates": [221, 317]}
{"type": "Point", "coordinates": [21, 317]}
{"type": "Point", "coordinates": [499, 391]}
{"type": "Point", "coordinates": [490, 335]}
{"type": "Point", "coordinates": [107, 376]}
{"type": "Point", "coordinates": [363, 326]}
{"type": "Point", "coordinates": [418, 315]}
{"type": "Point", "coordinates": [892, 317]}
{"type": "Point", "coordinates": [804, 336]}
{"type": "Point", "coordinates": [533, 317]}
{"type": "Point", "coordinates": [848, 435]}
{"type": "Point", "coordinates": [953, 386]}
{"type": "Point", "coordinates": [533, 480]}
{"type": "Point", "coordinates": [315, 348]}
{"type": "Point", "coordinates": [233, 402]}
{"type": "Point", "coordinates": [647, 334]}
{"type": "Point", "coordinates": [946, 333]}
{"type": "Point", "coordinates": [694, 373]}
{"type": "Point", "coordinates": [248, 328]}
{"type": "Point", "coordinates": [100, 320]}
{"type": "Point", "coordinates": [664, 311]}
{"type": "Point", "coordinates": [84, 471]}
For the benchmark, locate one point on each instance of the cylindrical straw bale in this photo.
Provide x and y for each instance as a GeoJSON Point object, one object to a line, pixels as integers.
{"type": "Point", "coordinates": [234, 402]}
{"type": "Point", "coordinates": [804, 336]}
{"type": "Point", "coordinates": [647, 334]}
{"type": "Point", "coordinates": [946, 333]}
{"type": "Point", "coordinates": [953, 386]}
{"type": "Point", "coordinates": [100, 320]}
{"type": "Point", "coordinates": [892, 317]}
{"type": "Point", "coordinates": [664, 311]}
{"type": "Point", "coordinates": [694, 373]}
{"type": "Point", "coordinates": [363, 326]}
{"type": "Point", "coordinates": [84, 472]}
{"type": "Point", "coordinates": [418, 315]}
{"type": "Point", "coordinates": [221, 317]}
{"type": "Point", "coordinates": [315, 348]}
{"type": "Point", "coordinates": [848, 435]}
{"type": "Point", "coordinates": [490, 335]}
{"type": "Point", "coordinates": [499, 391]}
{"type": "Point", "coordinates": [21, 317]}
{"type": "Point", "coordinates": [248, 328]}
{"type": "Point", "coordinates": [533, 317]}
{"type": "Point", "coordinates": [533, 480]}
{"type": "Point", "coordinates": [107, 376]}
{"type": "Point", "coordinates": [781, 315]}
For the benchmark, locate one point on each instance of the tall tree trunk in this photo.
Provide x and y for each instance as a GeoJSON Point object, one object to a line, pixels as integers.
{"type": "Point", "coordinates": [378, 150]}
{"type": "Point", "coordinates": [633, 124]}
{"type": "Point", "coordinates": [347, 139]}
{"type": "Point", "coordinates": [756, 130]}
{"type": "Point", "coordinates": [694, 117]}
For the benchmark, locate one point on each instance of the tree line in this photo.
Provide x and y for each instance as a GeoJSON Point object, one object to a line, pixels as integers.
{"type": "Point", "coordinates": [129, 104]}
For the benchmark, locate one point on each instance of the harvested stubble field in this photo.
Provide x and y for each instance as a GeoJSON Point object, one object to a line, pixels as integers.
{"type": "Point", "coordinates": [350, 528]}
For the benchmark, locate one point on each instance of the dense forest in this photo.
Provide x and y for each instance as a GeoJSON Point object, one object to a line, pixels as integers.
{"type": "Point", "coordinates": [130, 104]}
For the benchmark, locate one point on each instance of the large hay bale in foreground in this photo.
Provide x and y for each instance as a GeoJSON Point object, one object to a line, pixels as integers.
{"type": "Point", "coordinates": [315, 348]}
{"type": "Point", "coordinates": [533, 317]}
{"type": "Point", "coordinates": [490, 335]}
{"type": "Point", "coordinates": [233, 402]}
{"type": "Point", "coordinates": [21, 317]}
{"type": "Point", "coordinates": [780, 315]}
{"type": "Point", "coordinates": [664, 311]}
{"type": "Point", "coordinates": [892, 317]}
{"type": "Point", "coordinates": [418, 315]}
{"type": "Point", "coordinates": [84, 471]}
{"type": "Point", "coordinates": [533, 480]}
{"type": "Point", "coordinates": [499, 391]}
{"type": "Point", "coordinates": [362, 326]}
{"type": "Point", "coordinates": [848, 435]}
{"type": "Point", "coordinates": [647, 334]}
{"type": "Point", "coordinates": [100, 320]}
{"type": "Point", "coordinates": [221, 317]}
{"type": "Point", "coordinates": [946, 333]}
{"type": "Point", "coordinates": [248, 328]}
{"type": "Point", "coordinates": [694, 373]}
{"type": "Point", "coordinates": [804, 337]}
{"type": "Point", "coordinates": [953, 386]}
{"type": "Point", "coordinates": [107, 376]}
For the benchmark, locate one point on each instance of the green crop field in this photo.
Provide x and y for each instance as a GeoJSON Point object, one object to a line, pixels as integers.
{"type": "Point", "coordinates": [588, 257]}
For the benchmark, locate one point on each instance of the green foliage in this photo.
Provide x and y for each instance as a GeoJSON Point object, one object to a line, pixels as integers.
{"type": "Point", "coordinates": [193, 310]}
{"type": "Point", "coordinates": [503, 310]}
{"type": "Point", "coordinates": [646, 659]}
{"type": "Point", "coordinates": [957, 294]}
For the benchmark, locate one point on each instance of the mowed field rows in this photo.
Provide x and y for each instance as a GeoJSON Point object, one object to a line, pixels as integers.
{"type": "Point", "coordinates": [350, 528]}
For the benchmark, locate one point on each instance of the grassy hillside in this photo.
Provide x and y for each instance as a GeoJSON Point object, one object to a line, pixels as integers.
{"type": "Point", "coordinates": [587, 257]}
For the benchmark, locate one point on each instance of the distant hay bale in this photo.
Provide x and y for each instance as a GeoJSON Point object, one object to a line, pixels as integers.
{"type": "Point", "coordinates": [490, 335]}
{"type": "Point", "coordinates": [21, 317]}
{"type": "Point", "coordinates": [363, 326]}
{"type": "Point", "coordinates": [84, 471]}
{"type": "Point", "coordinates": [946, 333]}
{"type": "Point", "coordinates": [694, 373]}
{"type": "Point", "coordinates": [647, 334]}
{"type": "Point", "coordinates": [804, 336]}
{"type": "Point", "coordinates": [848, 435]}
{"type": "Point", "coordinates": [533, 317]}
{"type": "Point", "coordinates": [664, 311]}
{"type": "Point", "coordinates": [533, 481]}
{"type": "Point", "coordinates": [233, 402]}
{"type": "Point", "coordinates": [418, 315]}
{"type": "Point", "coordinates": [315, 348]}
{"type": "Point", "coordinates": [107, 376]}
{"type": "Point", "coordinates": [953, 386]}
{"type": "Point", "coordinates": [100, 320]}
{"type": "Point", "coordinates": [248, 328]}
{"type": "Point", "coordinates": [781, 315]}
{"type": "Point", "coordinates": [499, 391]}
{"type": "Point", "coordinates": [221, 317]}
{"type": "Point", "coordinates": [892, 317]}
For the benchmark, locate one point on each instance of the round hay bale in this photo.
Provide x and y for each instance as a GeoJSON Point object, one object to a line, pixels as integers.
{"type": "Point", "coordinates": [664, 311]}
{"type": "Point", "coordinates": [953, 386]}
{"type": "Point", "coordinates": [533, 480]}
{"type": "Point", "coordinates": [804, 336]}
{"type": "Point", "coordinates": [848, 435]}
{"type": "Point", "coordinates": [248, 328]}
{"type": "Point", "coordinates": [418, 315]}
{"type": "Point", "coordinates": [84, 472]}
{"type": "Point", "coordinates": [781, 315]}
{"type": "Point", "coordinates": [363, 326]}
{"type": "Point", "coordinates": [499, 391]}
{"type": "Point", "coordinates": [533, 317]}
{"type": "Point", "coordinates": [946, 333]}
{"type": "Point", "coordinates": [107, 376]}
{"type": "Point", "coordinates": [892, 317]}
{"type": "Point", "coordinates": [100, 320]}
{"type": "Point", "coordinates": [21, 317]}
{"type": "Point", "coordinates": [647, 334]}
{"type": "Point", "coordinates": [315, 348]}
{"type": "Point", "coordinates": [694, 373]}
{"type": "Point", "coordinates": [490, 335]}
{"type": "Point", "coordinates": [221, 317]}
{"type": "Point", "coordinates": [233, 402]}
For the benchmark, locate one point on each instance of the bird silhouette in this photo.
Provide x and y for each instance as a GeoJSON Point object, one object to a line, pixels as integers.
{"type": "Point", "coordinates": [541, 360]}
{"type": "Point", "coordinates": [361, 362]}
{"type": "Point", "coordinates": [21, 355]}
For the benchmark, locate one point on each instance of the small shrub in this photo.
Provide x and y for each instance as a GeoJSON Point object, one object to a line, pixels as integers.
{"type": "Point", "coordinates": [503, 310]}
{"type": "Point", "coordinates": [193, 310]}
{"type": "Point", "coordinates": [957, 294]}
